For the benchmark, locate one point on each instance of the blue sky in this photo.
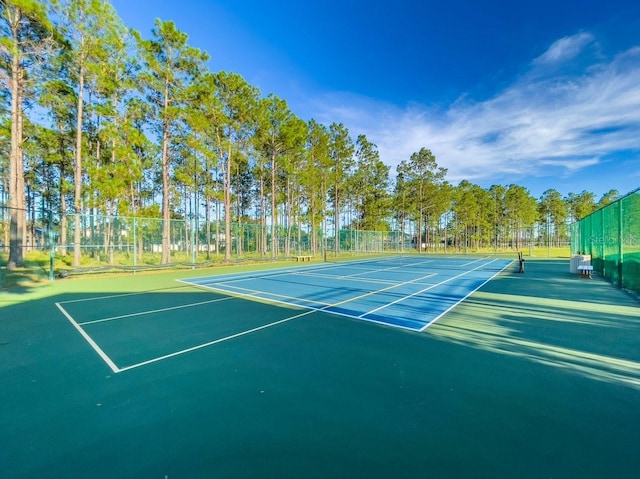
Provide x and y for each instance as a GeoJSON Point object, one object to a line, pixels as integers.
{"type": "Point", "coordinates": [544, 94]}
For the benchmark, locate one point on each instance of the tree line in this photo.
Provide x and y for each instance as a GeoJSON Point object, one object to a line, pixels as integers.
{"type": "Point", "coordinates": [97, 118]}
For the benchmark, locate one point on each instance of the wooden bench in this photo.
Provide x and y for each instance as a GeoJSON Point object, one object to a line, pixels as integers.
{"type": "Point", "coordinates": [302, 258]}
{"type": "Point", "coordinates": [585, 271]}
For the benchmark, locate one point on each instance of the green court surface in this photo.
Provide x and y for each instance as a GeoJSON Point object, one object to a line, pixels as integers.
{"type": "Point", "coordinates": [535, 375]}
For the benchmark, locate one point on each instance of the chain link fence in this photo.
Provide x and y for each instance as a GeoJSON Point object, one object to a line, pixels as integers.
{"type": "Point", "coordinates": [52, 244]}
{"type": "Point", "coordinates": [27, 246]}
{"type": "Point", "coordinates": [48, 243]}
{"type": "Point", "coordinates": [107, 241]}
{"type": "Point", "coordinates": [611, 235]}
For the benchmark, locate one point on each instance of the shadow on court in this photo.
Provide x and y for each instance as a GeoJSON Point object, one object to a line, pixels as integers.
{"type": "Point", "coordinates": [555, 318]}
{"type": "Point", "coordinates": [534, 375]}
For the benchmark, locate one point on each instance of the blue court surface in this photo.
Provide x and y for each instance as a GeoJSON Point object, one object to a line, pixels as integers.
{"type": "Point", "coordinates": [409, 292]}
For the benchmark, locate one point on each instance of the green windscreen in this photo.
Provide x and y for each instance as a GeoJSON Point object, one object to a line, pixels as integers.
{"type": "Point", "coordinates": [611, 236]}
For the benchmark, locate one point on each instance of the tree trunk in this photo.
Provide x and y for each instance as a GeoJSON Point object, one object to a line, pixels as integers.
{"type": "Point", "coordinates": [77, 171]}
{"type": "Point", "coordinates": [63, 213]}
{"type": "Point", "coordinates": [288, 216]}
{"type": "Point", "coordinates": [312, 225]}
{"type": "Point", "coordinates": [16, 160]}
{"type": "Point", "coordinates": [336, 222]}
{"type": "Point", "coordinates": [227, 208]}
{"type": "Point", "coordinates": [239, 228]}
{"type": "Point", "coordinates": [274, 213]}
{"type": "Point", "coordinates": [166, 214]}
{"type": "Point", "coordinates": [263, 219]}
{"type": "Point", "coordinates": [207, 224]}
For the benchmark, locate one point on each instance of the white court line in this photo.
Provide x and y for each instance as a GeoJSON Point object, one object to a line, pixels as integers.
{"type": "Point", "coordinates": [333, 276]}
{"type": "Point", "coordinates": [236, 291]}
{"type": "Point", "coordinates": [369, 271]}
{"type": "Point", "coordinates": [311, 274]}
{"type": "Point", "coordinates": [464, 265]}
{"type": "Point", "coordinates": [327, 306]}
{"type": "Point", "coordinates": [97, 298]}
{"type": "Point", "coordinates": [465, 297]}
{"type": "Point", "coordinates": [255, 294]}
{"type": "Point", "coordinates": [91, 342]}
{"type": "Point", "coordinates": [259, 294]}
{"type": "Point", "coordinates": [152, 311]}
{"type": "Point", "coordinates": [428, 288]}
{"type": "Point", "coordinates": [232, 277]}
{"type": "Point", "coordinates": [211, 343]}
{"type": "Point", "coordinates": [304, 273]}
{"type": "Point", "coordinates": [243, 333]}
{"type": "Point", "coordinates": [116, 369]}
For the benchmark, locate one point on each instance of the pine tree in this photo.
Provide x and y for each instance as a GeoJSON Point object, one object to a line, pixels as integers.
{"type": "Point", "coordinates": [170, 66]}
{"type": "Point", "coordinates": [26, 38]}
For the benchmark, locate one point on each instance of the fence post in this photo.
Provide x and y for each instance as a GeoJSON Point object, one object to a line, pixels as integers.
{"type": "Point", "coordinates": [193, 243]}
{"type": "Point", "coordinates": [602, 243]}
{"type": "Point", "coordinates": [52, 249]}
{"type": "Point", "coordinates": [620, 241]}
{"type": "Point", "coordinates": [135, 246]}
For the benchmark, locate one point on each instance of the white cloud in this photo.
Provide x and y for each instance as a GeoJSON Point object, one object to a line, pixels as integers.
{"type": "Point", "coordinates": [564, 49]}
{"type": "Point", "coordinates": [541, 125]}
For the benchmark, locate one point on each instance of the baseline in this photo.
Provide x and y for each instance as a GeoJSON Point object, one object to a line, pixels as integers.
{"type": "Point", "coordinates": [89, 340]}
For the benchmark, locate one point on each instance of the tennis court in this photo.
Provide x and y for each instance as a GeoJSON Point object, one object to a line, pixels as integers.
{"type": "Point", "coordinates": [404, 292]}
{"type": "Point", "coordinates": [404, 366]}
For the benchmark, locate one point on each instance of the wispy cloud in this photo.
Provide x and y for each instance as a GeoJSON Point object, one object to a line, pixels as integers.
{"type": "Point", "coordinates": [547, 122]}
{"type": "Point", "coordinates": [564, 49]}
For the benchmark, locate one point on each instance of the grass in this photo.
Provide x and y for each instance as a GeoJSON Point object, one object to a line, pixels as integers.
{"type": "Point", "coordinates": [35, 269]}
{"type": "Point", "coordinates": [37, 263]}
